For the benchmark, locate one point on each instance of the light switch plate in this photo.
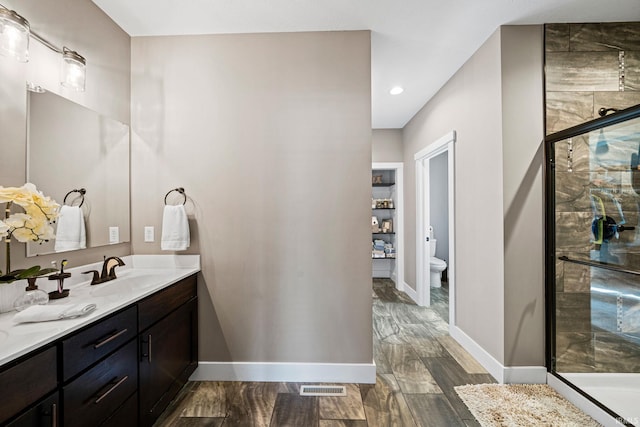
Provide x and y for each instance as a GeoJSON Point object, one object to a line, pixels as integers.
{"type": "Point", "coordinates": [149, 234]}
{"type": "Point", "coordinates": [114, 234]}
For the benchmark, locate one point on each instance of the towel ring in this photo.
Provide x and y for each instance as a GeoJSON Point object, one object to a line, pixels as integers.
{"type": "Point", "coordinates": [179, 190]}
{"type": "Point", "coordinates": [82, 192]}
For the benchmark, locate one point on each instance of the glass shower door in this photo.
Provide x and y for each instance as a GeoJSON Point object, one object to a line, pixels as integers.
{"type": "Point", "coordinates": [593, 260]}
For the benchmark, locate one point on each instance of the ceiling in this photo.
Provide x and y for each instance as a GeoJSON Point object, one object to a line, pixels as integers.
{"type": "Point", "coordinates": [416, 44]}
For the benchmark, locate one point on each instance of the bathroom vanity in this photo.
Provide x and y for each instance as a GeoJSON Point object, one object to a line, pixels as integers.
{"type": "Point", "coordinates": [120, 365]}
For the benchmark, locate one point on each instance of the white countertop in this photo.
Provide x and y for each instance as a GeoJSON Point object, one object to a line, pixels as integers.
{"type": "Point", "coordinates": [141, 276]}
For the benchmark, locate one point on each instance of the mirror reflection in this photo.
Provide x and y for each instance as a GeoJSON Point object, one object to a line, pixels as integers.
{"type": "Point", "coordinates": [81, 159]}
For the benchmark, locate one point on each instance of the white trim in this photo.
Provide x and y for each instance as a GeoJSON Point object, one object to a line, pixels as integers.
{"type": "Point", "coordinates": [398, 275]}
{"type": "Point", "coordinates": [361, 373]}
{"type": "Point", "coordinates": [524, 375]}
{"type": "Point", "coordinates": [502, 374]}
{"type": "Point", "coordinates": [409, 291]}
{"type": "Point", "coordinates": [584, 404]}
{"type": "Point", "coordinates": [422, 157]}
{"type": "Point", "coordinates": [436, 147]}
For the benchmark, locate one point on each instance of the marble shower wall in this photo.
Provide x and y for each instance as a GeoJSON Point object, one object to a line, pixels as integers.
{"type": "Point", "coordinates": [588, 67]}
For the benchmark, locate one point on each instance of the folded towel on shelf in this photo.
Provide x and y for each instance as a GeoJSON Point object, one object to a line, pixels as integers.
{"type": "Point", "coordinates": [45, 313]}
{"type": "Point", "coordinates": [70, 231]}
{"type": "Point", "coordinates": [175, 229]}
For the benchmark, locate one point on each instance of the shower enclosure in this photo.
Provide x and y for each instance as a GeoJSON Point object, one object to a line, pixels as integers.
{"type": "Point", "coordinates": [593, 261]}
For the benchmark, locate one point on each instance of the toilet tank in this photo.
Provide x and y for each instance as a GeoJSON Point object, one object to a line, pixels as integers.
{"type": "Point", "coordinates": [432, 247]}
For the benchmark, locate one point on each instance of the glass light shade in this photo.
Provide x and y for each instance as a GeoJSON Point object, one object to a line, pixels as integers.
{"type": "Point", "coordinates": [14, 35]}
{"type": "Point", "coordinates": [73, 70]}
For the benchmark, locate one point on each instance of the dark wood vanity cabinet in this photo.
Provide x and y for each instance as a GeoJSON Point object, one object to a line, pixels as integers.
{"type": "Point", "coordinates": [168, 346]}
{"type": "Point", "coordinates": [44, 413]}
{"type": "Point", "coordinates": [122, 370]}
{"type": "Point", "coordinates": [25, 381]}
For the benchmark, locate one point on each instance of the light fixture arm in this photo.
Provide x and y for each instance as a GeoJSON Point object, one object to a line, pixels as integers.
{"type": "Point", "coordinates": [73, 65]}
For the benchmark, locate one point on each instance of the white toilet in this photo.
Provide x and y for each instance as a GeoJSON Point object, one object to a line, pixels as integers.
{"type": "Point", "coordinates": [436, 265]}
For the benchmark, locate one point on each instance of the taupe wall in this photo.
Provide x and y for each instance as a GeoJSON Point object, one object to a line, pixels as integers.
{"type": "Point", "coordinates": [523, 201]}
{"type": "Point", "coordinates": [386, 145]}
{"type": "Point", "coordinates": [270, 135]}
{"type": "Point", "coordinates": [81, 26]}
{"type": "Point", "coordinates": [498, 198]}
{"type": "Point", "coordinates": [470, 104]}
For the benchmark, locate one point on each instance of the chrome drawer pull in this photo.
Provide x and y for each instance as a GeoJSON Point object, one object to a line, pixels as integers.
{"type": "Point", "coordinates": [109, 339]}
{"type": "Point", "coordinates": [113, 387]}
{"type": "Point", "coordinates": [54, 415]}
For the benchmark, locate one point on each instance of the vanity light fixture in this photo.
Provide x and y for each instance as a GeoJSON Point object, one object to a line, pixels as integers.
{"type": "Point", "coordinates": [396, 90]}
{"type": "Point", "coordinates": [14, 35]}
{"type": "Point", "coordinates": [74, 70]}
{"type": "Point", "coordinates": [14, 41]}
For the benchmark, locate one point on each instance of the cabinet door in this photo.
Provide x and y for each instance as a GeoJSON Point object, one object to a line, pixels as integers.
{"type": "Point", "coordinates": [168, 356]}
{"type": "Point", "coordinates": [43, 414]}
{"type": "Point", "coordinates": [95, 395]}
{"type": "Point", "coordinates": [26, 381]}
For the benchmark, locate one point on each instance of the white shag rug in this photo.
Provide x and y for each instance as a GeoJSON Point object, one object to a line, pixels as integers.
{"type": "Point", "coordinates": [521, 405]}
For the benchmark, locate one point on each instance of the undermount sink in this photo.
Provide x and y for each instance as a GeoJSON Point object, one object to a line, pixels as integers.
{"type": "Point", "coordinates": [128, 282]}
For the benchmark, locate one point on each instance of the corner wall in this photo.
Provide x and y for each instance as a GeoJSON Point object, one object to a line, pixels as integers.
{"type": "Point", "coordinates": [386, 145]}
{"type": "Point", "coordinates": [470, 104]}
{"type": "Point", "coordinates": [270, 135]}
{"type": "Point", "coordinates": [494, 103]}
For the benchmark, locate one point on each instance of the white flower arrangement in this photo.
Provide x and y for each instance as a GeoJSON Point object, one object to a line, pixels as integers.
{"type": "Point", "coordinates": [32, 225]}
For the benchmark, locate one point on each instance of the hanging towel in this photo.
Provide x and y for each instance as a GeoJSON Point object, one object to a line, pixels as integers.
{"type": "Point", "coordinates": [45, 313]}
{"type": "Point", "coordinates": [175, 229]}
{"type": "Point", "coordinates": [70, 233]}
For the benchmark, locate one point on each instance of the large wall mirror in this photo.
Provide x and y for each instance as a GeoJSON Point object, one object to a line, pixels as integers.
{"type": "Point", "coordinates": [70, 147]}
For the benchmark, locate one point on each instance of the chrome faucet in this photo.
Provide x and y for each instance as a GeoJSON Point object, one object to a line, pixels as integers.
{"type": "Point", "coordinates": [108, 270]}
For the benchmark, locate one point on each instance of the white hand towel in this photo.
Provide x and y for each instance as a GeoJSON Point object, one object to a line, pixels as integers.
{"type": "Point", "coordinates": [70, 233]}
{"type": "Point", "coordinates": [175, 229]}
{"type": "Point", "coordinates": [44, 313]}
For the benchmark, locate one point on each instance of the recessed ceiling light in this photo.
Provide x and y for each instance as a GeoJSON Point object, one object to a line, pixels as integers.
{"type": "Point", "coordinates": [397, 90]}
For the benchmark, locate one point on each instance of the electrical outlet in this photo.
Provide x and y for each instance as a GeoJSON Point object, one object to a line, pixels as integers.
{"type": "Point", "coordinates": [114, 234]}
{"type": "Point", "coordinates": [149, 234]}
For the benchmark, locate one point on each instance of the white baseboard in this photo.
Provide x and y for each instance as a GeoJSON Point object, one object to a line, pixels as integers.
{"type": "Point", "coordinates": [582, 402]}
{"type": "Point", "coordinates": [502, 374]}
{"type": "Point", "coordinates": [361, 373]}
{"type": "Point", "coordinates": [413, 294]}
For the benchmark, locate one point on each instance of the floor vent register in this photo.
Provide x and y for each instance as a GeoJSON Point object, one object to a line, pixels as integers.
{"type": "Point", "coordinates": [323, 390]}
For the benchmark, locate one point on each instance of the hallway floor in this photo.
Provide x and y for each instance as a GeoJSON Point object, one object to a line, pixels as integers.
{"type": "Point", "coordinates": [417, 365]}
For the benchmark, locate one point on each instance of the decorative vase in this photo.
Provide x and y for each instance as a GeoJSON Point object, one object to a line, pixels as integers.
{"type": "Point", "coordinates": [32, 296]}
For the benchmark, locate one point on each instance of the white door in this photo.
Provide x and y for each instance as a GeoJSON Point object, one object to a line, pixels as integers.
{"type": "Point", "coordinates": [422, 247]}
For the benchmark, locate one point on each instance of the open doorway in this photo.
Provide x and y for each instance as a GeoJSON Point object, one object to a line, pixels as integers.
{"type": "Point", "coordinates": [435, 220]}
{"type": "Point", "coordinates": [388, 215]}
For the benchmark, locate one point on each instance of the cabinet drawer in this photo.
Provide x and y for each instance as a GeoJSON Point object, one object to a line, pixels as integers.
{"type": "Point", "coordinates": [90, 345]}
{"type": "Point", "coordinates": [45, 413]}
{"type": "Point", "coordinates": [126, 415]}
{"type": "Point", "coordinates": [95, 395]}
{"type": "Point", "coordinates": [157, 306]}
{"type": "Point", "coordinates": [27, 381]}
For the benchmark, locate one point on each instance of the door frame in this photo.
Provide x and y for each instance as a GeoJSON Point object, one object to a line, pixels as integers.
{"type": "Point", "coordinates": [398, 226]}
{"type": "Point", "coordinates": [422, 158]}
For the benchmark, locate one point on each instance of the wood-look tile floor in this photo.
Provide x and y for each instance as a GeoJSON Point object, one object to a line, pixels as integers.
{"type": "Point", "coordinates": [418, 364]}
